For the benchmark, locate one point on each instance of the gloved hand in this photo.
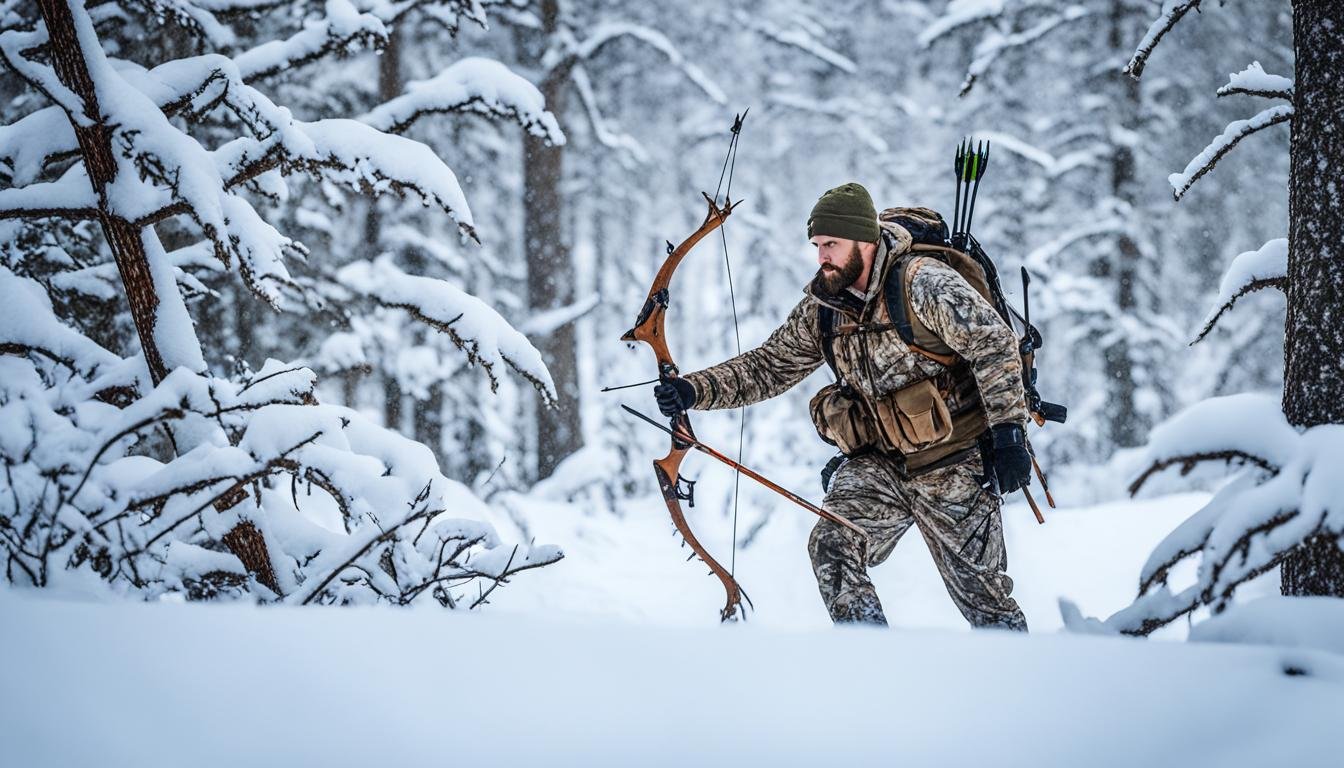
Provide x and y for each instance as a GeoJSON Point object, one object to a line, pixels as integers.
{"type": "Point", "coordinates": [674, 396]}
{"type": "Point", "coordinates": [1012, 463]}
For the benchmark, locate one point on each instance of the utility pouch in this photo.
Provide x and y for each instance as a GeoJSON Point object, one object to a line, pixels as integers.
{"type": "Point", "coordinates": [913, 418]}
{"type": "Point", "coordinates": [908, 420]}
{"type": "Point", "coordinates": [842, 419]}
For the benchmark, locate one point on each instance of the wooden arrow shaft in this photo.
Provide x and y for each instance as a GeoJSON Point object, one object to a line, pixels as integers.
{"type": "Point", "coordinates": [682, 436]}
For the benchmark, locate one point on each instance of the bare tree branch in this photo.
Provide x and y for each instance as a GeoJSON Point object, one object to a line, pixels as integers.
{"type": "Point", "coordinates": [1232, 90]}
{"type": "Point", "coordinates": [1188, 462]}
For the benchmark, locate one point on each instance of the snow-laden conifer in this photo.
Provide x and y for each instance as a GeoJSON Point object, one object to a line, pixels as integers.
{"type": "Point", "coordinates": [130, 179]}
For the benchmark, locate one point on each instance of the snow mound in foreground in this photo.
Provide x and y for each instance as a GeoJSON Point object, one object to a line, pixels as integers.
{"type": "Point", "coordinates": [150, 685]}
{"type": "Point", "coordinates": [1292, 622]}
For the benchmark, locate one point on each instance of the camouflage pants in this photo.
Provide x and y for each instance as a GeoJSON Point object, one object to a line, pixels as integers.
{"type": "Point", "coordinates": [960, 523]}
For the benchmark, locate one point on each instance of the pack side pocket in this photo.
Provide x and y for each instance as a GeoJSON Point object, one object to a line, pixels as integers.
{"type": "Point", "coordinates": [841, 420]}
{"type": "Point", "coordinates": [920, 414]}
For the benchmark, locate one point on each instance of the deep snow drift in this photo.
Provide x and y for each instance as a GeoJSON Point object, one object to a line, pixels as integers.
{"type": "Point", "coordinates": [174, 685]}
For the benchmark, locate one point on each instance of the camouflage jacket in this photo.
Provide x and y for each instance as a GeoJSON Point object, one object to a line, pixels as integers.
{"type": "Point", "coordinates": [878, 363]}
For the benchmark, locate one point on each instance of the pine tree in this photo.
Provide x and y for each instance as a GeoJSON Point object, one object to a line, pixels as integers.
{"type": "Point", "coordinates": [140, 463]}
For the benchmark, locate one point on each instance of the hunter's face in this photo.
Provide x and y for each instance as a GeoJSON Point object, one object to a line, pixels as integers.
{"type": "Point", "coordinates": [840, 261]}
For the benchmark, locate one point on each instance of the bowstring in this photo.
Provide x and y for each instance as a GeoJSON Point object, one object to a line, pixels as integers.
{"type": "Point", "coordinates": [729, 166]}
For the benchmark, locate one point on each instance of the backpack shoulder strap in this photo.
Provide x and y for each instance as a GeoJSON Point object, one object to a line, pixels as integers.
{"type": "Point", "coordinates": [826, 322]}
{"type": "Point", "coordinates": [896, 295]}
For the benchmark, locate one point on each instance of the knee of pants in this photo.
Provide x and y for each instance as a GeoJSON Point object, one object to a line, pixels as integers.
{"type": "Point", "coordinates": [829, 543]}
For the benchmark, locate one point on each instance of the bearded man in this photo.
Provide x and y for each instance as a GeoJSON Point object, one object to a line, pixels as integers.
{"type": "Point", "coordinates": [929, 429]}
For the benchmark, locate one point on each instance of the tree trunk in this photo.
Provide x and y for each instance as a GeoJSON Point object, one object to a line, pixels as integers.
{"type": "Point", "coordinates": [390, 85]}
{"type": "Point", "coordinates": [1313, 376]}
{"type": "Point", "coordinates": [550, 272]}
{"type": "Point", "coordinates": [125, 241]}
{"type": "Point", "coordinates": [392, 403]}
{"type": "Point", "coordinates": [427, 419]}
{"type": "Point", "coordinates": [1126, 426]}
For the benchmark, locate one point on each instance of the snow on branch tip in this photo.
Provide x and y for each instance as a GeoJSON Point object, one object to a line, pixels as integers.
{"type": "Point", "coordinates": [1224, 143]}
{"type": "Point", "coordinates": [1172, 12]}
{"type": "Point", "coordinates": [1265, 267]}
{"type": "Point", "coordinates": [1255, 81]}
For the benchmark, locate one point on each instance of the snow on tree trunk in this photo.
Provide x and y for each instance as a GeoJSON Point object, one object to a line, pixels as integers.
{"type": "Point", "coordinates": [126, 241]}
{"type": "Point", "coordinates": [1313, 387]}
{"type": "Point", "coordinates": [123, 237]}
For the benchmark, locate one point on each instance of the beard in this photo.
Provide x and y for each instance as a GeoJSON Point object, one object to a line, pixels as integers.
{"type": "Point", "coordinates": [831, 280]}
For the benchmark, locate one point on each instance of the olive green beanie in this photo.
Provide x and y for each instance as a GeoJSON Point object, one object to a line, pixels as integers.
{"type": "Point", "coordinates": [846, 211]}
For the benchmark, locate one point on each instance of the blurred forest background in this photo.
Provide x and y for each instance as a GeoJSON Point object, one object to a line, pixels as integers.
{"type": "Point", "coordinates": [862, 90]}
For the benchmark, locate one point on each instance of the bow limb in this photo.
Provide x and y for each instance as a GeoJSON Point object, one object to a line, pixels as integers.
{"type": "Point", "coordinates": [668, 471]}
{"type": "Point", "coordinates": [649, 328]}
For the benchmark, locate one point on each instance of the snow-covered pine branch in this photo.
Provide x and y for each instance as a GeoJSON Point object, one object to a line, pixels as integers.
{"type": "Point", "coordinates": [1171, 13]}
{"type": "Point", "coordinates": [1265, 267]}
{"type": "Point", "coordinates": [450, 15]}
{"type": "Point", "coordinates": [472, 85]}
{"type": "Point", "coordinates": [343, 29]}
{"type": "Point", "coordinates": [195, 17]}
{"type": "Point", "coordinates": [1246, 429]}
{"type": "Point", "coordinates": [30, 143]}
{"type": "Point", "coordinates": [31, 326]}
{"type": "Point", "coordinates": [475, 328]}
{"type": "Point", "coordinates": [1204, 162]}
{"type": "Point", "coordinates": [377, 530]}
{"type": "Point", "coordinates": [68, 198]}
{"type": "Point", "coordinates": [1255, 81]}
{"type": "Point", "coordinates": [1290, 493]}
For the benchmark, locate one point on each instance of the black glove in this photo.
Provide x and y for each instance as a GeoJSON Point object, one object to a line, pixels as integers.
{"type": "Point", "coordinates": [1012, 463]}
{"type": "Point", "coordinates": [674, 396]}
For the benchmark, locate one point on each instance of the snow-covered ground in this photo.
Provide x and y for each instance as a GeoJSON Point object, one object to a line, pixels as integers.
{"type": "Point", "coordinates": [615, 657]}
{"type": "Point", "coordinates": [633, 567]}
{"type": "Point", "coordinates": [192, 685]}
